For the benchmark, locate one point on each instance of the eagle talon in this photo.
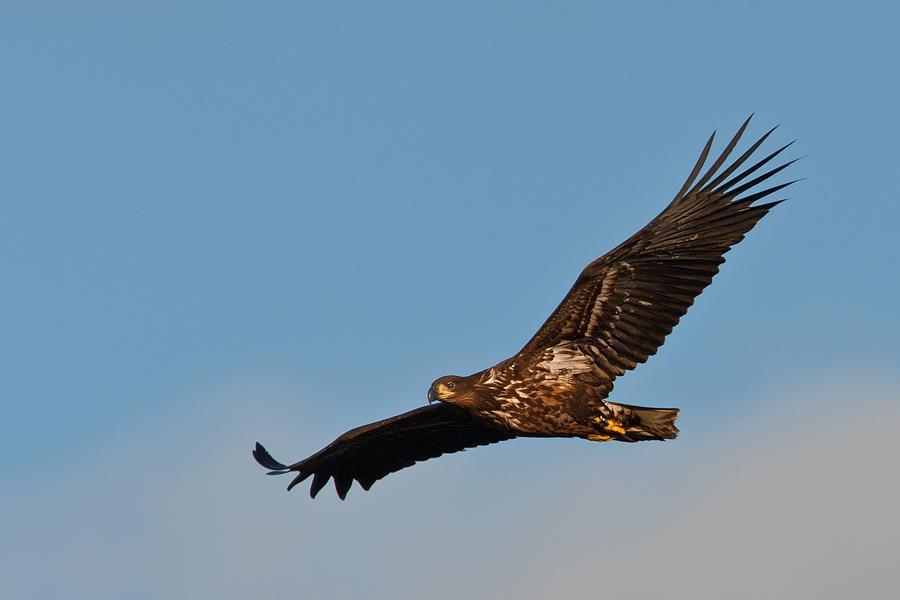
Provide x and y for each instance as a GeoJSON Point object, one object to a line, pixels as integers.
{"type": "Point", "coordinates": [615, 426]}
{"type": "Point", "coordinates": [610, 425]}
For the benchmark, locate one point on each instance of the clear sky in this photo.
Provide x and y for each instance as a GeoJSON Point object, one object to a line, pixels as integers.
{"type": "Point", "coordinates": [223, 222]}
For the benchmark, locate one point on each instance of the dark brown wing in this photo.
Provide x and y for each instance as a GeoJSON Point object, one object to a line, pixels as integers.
{"type": "Point", "coordinates": [624, 304]}
{"type": "Point", "coordinates": [373, 451]}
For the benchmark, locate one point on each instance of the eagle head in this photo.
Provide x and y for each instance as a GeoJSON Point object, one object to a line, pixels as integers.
{"type": "Point", "coordinates": [448, 388]}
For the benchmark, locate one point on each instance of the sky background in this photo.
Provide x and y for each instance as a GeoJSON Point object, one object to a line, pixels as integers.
{"type": "Point", "coordinates": [223, 222]}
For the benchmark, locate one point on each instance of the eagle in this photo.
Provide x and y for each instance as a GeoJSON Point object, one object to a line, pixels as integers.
{"type": "Point", "coordinates": [616, 315]}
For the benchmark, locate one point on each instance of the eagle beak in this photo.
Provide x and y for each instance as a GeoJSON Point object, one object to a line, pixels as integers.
{"type": "Point", "coordinates": [431, 395]}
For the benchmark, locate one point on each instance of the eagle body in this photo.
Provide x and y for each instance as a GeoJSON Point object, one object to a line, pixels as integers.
{"type": "Point", "coordinates": [523, 400]}
{"type": "Point", "coordinates": [557, 393]}
{"type": "Point", "coordinates": [616, 315]}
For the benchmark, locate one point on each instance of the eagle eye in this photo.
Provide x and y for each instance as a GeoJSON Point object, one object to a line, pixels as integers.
{"type": "Point", "coordinates": [450, 385]}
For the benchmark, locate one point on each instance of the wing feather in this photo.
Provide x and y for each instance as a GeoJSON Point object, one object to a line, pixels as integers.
{"type": "Point", "coordinates": [371, 452]}
{"type": "Point", "coordinates": [625, 303]}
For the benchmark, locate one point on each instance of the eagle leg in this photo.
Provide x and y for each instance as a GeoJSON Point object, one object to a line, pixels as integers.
{"type": "Point", "coordinates": [612, 425]}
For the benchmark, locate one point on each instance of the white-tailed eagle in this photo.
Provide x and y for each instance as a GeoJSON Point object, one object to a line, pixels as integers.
{"type": "Point", "coordinates": [617, 314]}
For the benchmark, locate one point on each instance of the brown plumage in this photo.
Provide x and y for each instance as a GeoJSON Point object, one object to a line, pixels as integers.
{"type": "Point", "coordinates": [616, 316]}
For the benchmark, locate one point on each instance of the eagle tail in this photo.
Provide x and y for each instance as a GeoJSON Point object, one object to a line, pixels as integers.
{"type": "Point", "coordinates": [645, 423]}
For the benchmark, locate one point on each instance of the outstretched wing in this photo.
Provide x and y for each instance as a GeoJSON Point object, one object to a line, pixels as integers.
{"type": "Point", "coordinates": [624, 304]}
{"type": "Point", "coordinates": [373, 451]}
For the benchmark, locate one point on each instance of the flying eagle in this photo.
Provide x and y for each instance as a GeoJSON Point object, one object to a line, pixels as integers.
{"type": "Point", "coordinates": [616, 315]}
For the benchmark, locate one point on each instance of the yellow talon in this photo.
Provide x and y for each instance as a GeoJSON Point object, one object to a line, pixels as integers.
{"type": "Point", "coordinates": [610, 425]}
{"type": "Point", "coordinates": [599, 437]}
{"type": "Point", "coordinates": [615, 426]}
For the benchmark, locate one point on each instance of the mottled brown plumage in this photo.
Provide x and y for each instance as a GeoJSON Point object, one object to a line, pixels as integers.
{"type": "Point", "coordinates": [616, 316]}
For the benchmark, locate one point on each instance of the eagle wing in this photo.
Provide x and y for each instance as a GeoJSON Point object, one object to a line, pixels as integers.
{"type": "Point", "coordinates": [373, 451]}
{"type": "Point", "coordinates": [625, 303]}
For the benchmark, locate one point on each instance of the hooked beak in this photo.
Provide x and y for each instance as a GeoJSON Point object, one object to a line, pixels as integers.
{"type": "Point", "coordinates": [431, 395]}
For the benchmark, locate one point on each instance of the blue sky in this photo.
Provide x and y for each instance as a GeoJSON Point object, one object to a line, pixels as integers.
{"type": "Point", "coordinates": [224, 222]}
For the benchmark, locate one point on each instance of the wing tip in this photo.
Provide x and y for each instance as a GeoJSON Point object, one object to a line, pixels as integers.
{"type": "Point", "coordinates": [319, 481]}
{"type": "Point", "coordinates": [342, 485]}
{"type": "Point", "coordinates": [265, 460]}
{"type": "Point", "coordinates": [301, 476]}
